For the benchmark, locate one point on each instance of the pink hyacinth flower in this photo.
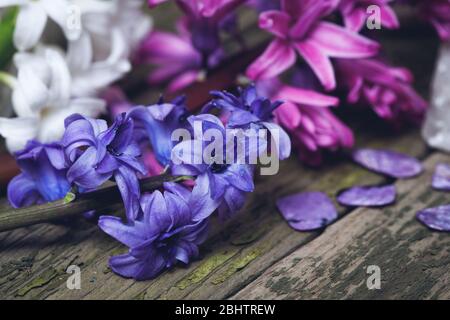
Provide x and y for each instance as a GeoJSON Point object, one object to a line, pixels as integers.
{"type": "Point", "coordinates": [298, 28]}
{"type": "Point", "coordinates": [176, 60]}
{"type": "Point", "coordinates": [306, 117]}
{"type": "Point", "coordinates": [388, 90]}
{"type": "Point", "coordinates": [213, 9]}
{"type": "Point", "coordinates": [355, 13]}
{"type": "Point", "coordinates": [438, 13]}
{"type": "Point", "coordinates": [205, 19]}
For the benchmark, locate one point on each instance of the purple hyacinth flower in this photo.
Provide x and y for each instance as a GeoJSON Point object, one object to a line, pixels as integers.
{"type": "Point", "coordinates": [43, 178]}
{"type": "Point", "coordinates": [368, 196]}
{"type": "Point", "coordinates": [220, 183]}
{"type": "Point", "coordinates": [245, 108]}
{"type": "Point", "coordinates": [97, 153]}
{"type": "Point", "coordinates": [441, 177]}
{"type": "Point", "coordinates": [390, 163]}
{"type": "Point", "coordinates": [248, 110]}
{"type": "Point", "coordinates": [164, 235]}
{"type": "Point", "coordinates": [157, 122]}
{"type": "Point", "coordinates": [307, 211]}
{"type": "Point", "coordinates": [436, 218]}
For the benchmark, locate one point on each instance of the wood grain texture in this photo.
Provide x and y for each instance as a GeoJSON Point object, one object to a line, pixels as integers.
{"type": "Point", "coordinates": [34, 259]}
{"type": "Point", "coordinates": [414, 261]}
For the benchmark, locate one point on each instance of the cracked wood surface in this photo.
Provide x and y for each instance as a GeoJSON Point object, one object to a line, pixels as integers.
{"type": "Point", "coordinates": [34, 259]}
{"type": "Point", "coordinates": [414, 261]}
{"type": "Point", "coordinates": [240, 255]}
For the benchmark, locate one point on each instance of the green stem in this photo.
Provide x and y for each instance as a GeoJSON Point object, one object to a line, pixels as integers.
{"type": "Point", "coordinates": [7, 79]}
{"type": "Point", "coordinates": [107, 198]}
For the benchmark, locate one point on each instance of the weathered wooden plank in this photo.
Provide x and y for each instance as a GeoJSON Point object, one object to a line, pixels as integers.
{"type": "Point", "coordinates": [33, 260]}
{"type": "Point", "coordinates": [414, 261]}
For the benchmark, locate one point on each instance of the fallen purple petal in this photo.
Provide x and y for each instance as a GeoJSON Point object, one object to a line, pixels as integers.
{"type": "Point", "coordinates": [368, 196]}
{"type": "Point", "coordinates": [441, 177]}
{"type": "Point", "coordinates": [390, 163]}
{"type": "Point", "coordinates": [436, 218]}
{"type": "Point", "coordinates": [308, 210]}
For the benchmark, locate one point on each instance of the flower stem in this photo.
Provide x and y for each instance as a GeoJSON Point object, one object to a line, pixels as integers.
{"type": "Point", "coordinates": [102, 199]}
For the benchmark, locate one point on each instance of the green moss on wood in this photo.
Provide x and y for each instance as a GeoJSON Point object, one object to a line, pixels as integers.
{"type": "Point", "coordinates": [205, 269]}
{"type": "Point", "coordinates": [238, 265]}
{"type": "Point", "coordinates": [38, 282]}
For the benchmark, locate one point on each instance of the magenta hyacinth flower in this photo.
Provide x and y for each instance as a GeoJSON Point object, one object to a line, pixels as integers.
{"type": "Point", "coordinates": [177, 61]}
{"type": "Point", "coordinates": [162, 236]}
{"type": "Point", "coordinates": [437, 12]}
{"type": "Point", "coordinates": [355, 13]}
{"type": "Point", "coordinates": [204, 19]}
{"type": "Point", "coordinates": [388, 90]}
{"type": "Point", "coordinates": [264, 5]}
{"type": "Point", "coordinates": [214, 10]}
{"type": "Point", "coordinates": [306, 116]}
{"type": "Point", "coordinates": [298, 28]}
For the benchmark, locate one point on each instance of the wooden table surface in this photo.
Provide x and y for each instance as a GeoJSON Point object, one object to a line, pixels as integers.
{"type": "Point", "coordinates": [256, 255]}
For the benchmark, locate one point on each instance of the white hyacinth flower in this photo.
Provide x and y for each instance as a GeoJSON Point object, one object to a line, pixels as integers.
{"type": "Point", "coordinates": [110, 32]}
{"type": "Point", "coordinates": [32, 19]}
{"type": "Point", "coordinates": [98, 18]}
{"type": "Point", "coordinates": [51, 85]}
{"type": "Point", "coordinates": [42, 99]}
{"type": "Point", "coordinates": [90, 76]}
